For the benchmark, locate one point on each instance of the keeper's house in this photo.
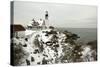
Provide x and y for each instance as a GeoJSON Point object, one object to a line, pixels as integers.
{"type": "Point", "coordinates": [17, 31]}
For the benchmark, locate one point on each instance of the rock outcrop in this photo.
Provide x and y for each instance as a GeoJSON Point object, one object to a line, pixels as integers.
{"type": "Point", "coordinates": [48, 47]}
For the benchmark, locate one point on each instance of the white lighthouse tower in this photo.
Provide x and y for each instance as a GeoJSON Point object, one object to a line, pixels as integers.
{"type": "Point", "coordinates": [46, 19]}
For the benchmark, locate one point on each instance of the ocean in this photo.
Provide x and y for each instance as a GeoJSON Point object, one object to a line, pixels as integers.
{"type": "Point", "coordinates": [86, 34]}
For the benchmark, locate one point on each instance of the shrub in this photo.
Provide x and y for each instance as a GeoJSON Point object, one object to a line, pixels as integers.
{"type": "Point", "coordinates": [19, 54]}
{"type": "Point", "coordinates": [51, 27]}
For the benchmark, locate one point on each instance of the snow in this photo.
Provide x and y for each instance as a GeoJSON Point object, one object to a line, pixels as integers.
{"type": "Point", "coordinates": [29, 32]}
{"type": "Point", "coordinates": [87, 54]}
{"type": "Point", "coordinates": [40, 22]}
{"type": "Point", "coordinates": [47, 49]}
{"type": "Point", "coordinates": [50, 54]}
{"type": "Point", "coordinates": [86, 50]}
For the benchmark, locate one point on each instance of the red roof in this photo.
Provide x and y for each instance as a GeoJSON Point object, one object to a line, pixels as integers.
{"type": "Point", "coordinates": [17, 27]}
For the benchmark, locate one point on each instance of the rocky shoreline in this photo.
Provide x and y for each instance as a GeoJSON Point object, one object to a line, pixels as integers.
{"type": "Point", "coordinates": [49, 46]}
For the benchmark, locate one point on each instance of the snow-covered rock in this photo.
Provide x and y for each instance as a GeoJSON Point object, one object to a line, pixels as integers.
{"type": "Point", "coordinates": [47, 47]}
{"type": "Point", "coordinates": [50, 52]}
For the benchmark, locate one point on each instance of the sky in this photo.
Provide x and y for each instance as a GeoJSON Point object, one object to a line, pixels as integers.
{"type": "Point", "coordinates": [60, 15]}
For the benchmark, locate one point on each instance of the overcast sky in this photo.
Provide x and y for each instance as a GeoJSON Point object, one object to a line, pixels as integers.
{"type": "Point", "coordinates": [60, 15]}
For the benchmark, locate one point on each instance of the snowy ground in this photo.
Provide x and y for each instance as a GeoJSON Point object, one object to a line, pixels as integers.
{"type": "Point", "coordinates": [43, 48]}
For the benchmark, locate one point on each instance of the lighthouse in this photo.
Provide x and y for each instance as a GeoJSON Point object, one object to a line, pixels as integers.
{"type": "Point", "coordinates": [47, 18]}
